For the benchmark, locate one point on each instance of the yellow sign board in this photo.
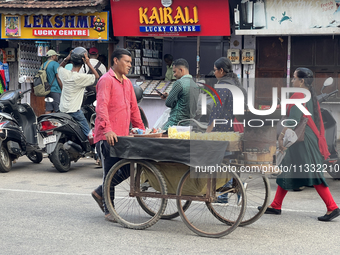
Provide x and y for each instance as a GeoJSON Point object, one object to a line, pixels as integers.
{"type": "Point", "coordinates": [234, 58]}
{"type": "Point", "coordinates": [91, 26]}
{"type": "Point", "coordinates": [248, 59]}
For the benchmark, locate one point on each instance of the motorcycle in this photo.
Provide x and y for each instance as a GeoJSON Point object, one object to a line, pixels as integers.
{"type": "Point", "coordinates": [330, 124]}
{"type": "Point", "coordinates": [89, 107]}
{"type": "Point", "coordinates": [63, 138]}
{"type": "Point", "coordinates": [18, 130]}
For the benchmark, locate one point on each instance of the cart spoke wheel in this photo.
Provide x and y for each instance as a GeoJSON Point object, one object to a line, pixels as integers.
{"type": "Point", "coordinates": [209, 218]}
{"type": "Point", "coordinates": [123, 203]}
{"type": "Point", "coordinates": [258, 193]}
{"type": "Point", "coordinates": [170, 211]}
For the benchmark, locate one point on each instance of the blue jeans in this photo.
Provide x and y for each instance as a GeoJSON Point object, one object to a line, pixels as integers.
{"type": "Point", "coordinates": [103, 149]}
{"type": "Point", "coordinates": [227, 185]}
{"type": "Point", "coordinates": [80, 118]}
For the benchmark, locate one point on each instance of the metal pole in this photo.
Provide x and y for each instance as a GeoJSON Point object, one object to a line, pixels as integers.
{"type": "Point", "coordinates": [198, 57]}
{"type": "Point", "coordinates": [288, 60]}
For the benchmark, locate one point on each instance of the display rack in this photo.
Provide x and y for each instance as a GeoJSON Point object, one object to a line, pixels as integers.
{"type": "Point", "coordinates": [146, 56]}
{"type": "Point", "coordinates": [149, 87]}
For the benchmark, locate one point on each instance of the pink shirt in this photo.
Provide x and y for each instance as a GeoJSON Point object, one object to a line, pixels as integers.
{"type": "Point", "coordinates": [116, 107]}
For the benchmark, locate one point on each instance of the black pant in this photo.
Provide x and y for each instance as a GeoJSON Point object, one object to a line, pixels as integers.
{"type": "Point", "coordinates": [103, 149]}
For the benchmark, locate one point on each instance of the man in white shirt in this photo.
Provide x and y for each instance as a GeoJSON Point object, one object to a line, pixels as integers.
{"type": "Point", "coordinates": [93, 55]}
{"type": "Point", "coordinates": [74, 84]}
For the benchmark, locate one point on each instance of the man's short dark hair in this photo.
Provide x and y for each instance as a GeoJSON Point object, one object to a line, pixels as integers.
{"type": "Point", "coordinates": [77, 65]}
{"type": "Point", "coordinates": [181, 62]}
{"type": "Point", "coordinates": [168, 56]}
{"type": "Point", "coordinates": [118, 53]}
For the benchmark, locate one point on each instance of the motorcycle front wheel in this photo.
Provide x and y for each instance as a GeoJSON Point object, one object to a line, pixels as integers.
{"type": "Point", "coordinates": [5, 160]}
{"type": "Point", "coordinates": [35, 157]}
{"type": "Point", "coordinates": [61, 159]}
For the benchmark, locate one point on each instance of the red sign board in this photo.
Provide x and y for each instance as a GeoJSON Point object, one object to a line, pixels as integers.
{"type": "Point", "coordinates": [181, 18]}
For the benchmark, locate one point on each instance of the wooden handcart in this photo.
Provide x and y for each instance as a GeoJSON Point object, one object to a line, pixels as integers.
{"type": "Point", "coordinates": [159, 178]}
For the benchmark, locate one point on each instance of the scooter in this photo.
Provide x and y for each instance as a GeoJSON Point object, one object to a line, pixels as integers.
{"type": "Point", "coordinates": [89, 106]}
{"type": "Point", "coordinates": [333, 162]}
{"type": "Point", "coordinates": [63, 138]}
{"type": "Point", "coordinates": [18, 130]}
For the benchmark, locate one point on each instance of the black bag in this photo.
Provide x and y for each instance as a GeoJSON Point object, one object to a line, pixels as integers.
{"type": "Point", "coordinates": [93, 86]}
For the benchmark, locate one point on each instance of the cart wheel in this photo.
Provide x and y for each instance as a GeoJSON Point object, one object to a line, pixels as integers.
{"type": "Point", "coordinates": [125, 208]}
{"type": "Point", "coordinates": [257, 190]}
{"type": "Point", "coordinates": [204, 218]}
{"type": "Point", "coordinates": [258, 193]}
{"type": "Point", "coordinates": [170, 212]}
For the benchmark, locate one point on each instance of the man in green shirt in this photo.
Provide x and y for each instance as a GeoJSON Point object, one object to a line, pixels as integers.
{"type": "Point", "coordinates": [53, 79]}
{"type": "Point", "coordinates": [169, 75]}
{"type": "Point", "coordinates": [183, 97]}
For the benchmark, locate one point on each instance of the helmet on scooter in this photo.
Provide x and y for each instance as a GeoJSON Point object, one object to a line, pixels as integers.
{"type": "Point", "coordinates": [77, 55]}
{"type": "Point", "coordinates": [139, 92]}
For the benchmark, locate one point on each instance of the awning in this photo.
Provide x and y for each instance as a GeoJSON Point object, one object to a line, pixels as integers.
{"type": "Point", "coordinates": [164, 18]}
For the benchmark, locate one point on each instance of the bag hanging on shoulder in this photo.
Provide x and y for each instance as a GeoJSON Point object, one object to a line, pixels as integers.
{"type": "Point", "coordinates": [299, 129]}
{"type": "Point", "coordinates": [93, 86]}
{"type": "Point", "coordinates": [41, 85]}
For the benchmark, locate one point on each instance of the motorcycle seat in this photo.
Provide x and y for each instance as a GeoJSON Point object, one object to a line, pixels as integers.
{"type": "Point", "coordinates": [60, 115]}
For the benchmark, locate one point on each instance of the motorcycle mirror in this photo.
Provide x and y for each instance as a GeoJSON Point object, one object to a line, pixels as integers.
{"type": "Point", "coordinates": [328, 82]}
{"type": "Point", "coordinates": [49, 99]}
{"type": "Point", "coordinates": [95, 103]}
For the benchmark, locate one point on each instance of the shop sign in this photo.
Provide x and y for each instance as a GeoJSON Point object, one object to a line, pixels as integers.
{"type": "Point", "coordinates": [293, 17]}
{"type": "Point", "coordinates": [92, 26]}
{"type": "Point", "coordinates": [167, 18]}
